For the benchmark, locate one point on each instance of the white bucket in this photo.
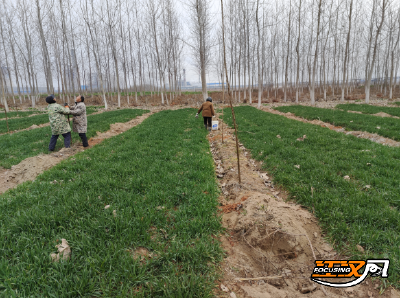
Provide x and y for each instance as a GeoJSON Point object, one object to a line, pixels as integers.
{"type": "Point", "coordinates": [215, 125]}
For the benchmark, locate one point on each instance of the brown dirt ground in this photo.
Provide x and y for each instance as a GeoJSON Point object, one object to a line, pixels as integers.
{"type": "Point", "coordinates": [359, 134]}
{"type": "Point", "coordinates": [30, 168]}
{"type": "Point", "coordinates": [268, 236]}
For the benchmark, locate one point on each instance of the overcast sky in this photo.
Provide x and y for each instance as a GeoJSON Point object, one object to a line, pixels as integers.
{"type": "Point", "coordinates": [191, 73]}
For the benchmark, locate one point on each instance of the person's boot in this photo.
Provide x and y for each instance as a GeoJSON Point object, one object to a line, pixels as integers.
{"type": "Point", "coordinates": [84, 139]}
{"type": "Point", "coordinates": [209, 128]}
{"type": "Point", "coordinates": [205, 126]}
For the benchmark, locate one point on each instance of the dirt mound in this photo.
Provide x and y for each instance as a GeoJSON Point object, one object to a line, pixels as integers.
{"type": "Point", "coordinates": [271, 244]}
{"type": "Point", "coordinates": [383, 114]}
{"type": "Point", "coordinates": [30, 168]}
{"type": "Point", "coordinates": [118, 128]}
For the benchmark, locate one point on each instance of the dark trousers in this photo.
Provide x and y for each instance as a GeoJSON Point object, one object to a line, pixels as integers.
{"type": "Point", "coordinates": [67, 141]}
{"type": "Point", "coordinates": [84, 139]}
{"type": "Point", "coordinates": [207, 122]}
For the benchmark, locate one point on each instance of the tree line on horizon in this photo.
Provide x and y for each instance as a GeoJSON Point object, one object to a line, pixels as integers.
{"type": "Point", "coordinates": [301, 46]}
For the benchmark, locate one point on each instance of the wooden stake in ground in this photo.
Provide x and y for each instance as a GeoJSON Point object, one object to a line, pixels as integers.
{"type": "Point", "coordinates": [229, 90]}
{"type": "Point", "coordinates": [222, 122]}
{"type": "Point", "coordinates": [8, 130]}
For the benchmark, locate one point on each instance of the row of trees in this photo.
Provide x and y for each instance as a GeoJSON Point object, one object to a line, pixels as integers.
{"type": "Point", "coordinates": [313, 46]}
{"type": "Point", "coordinates": [104, 45]}
{"type": "Point", "coordinates": [325, 44]}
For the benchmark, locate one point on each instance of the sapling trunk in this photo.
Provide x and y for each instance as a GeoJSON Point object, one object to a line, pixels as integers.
{"type": "Point", "coordinates": [5, 105]}
{"type": "Point", "coordinates": [222, 122]}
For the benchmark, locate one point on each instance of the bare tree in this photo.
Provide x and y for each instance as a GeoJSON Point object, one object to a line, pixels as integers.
{"type": "Point", "coordinates": [95, 43]}
{"type": "Point", "coordinates": [46, 57]}
{"type": "Point", "coordinates": [374, 40]}
{"type": "Point", "coordinates": [201, 32]}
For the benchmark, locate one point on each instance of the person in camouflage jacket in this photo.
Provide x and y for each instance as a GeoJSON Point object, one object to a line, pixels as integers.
{"type": "Point", "coordinates": [80, 119]}
{"type": "Point", "coordinates": [58, 123]}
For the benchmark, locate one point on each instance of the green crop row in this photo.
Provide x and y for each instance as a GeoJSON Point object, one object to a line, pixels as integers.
{"type": "Point", "coordinates": [25, 122]}
{"type": "Point", "coordinates": [17, 146]}
{"type": "Point", "coordinates": [363, 210]}
{"type": "Point", "coordinates": [93, 109]}
{"type": "Point", "coordinates": [19, 114]}
{"type": "Point", "coordinates": [369, 109]}
{"type": "Point", "coordinates": [161, 184]}
{"type": "Point", "coordinates": [22, 123]}
{"type": "Point", "coordinates": [385, 127]}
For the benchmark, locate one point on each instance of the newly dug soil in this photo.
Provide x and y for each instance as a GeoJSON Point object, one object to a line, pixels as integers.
{"type": "Point", "coordinates": [359, 134]}
{"type": "Point", "coordinates": [30, 168]}
{"type": "Point", "coordinates": [271, 244]}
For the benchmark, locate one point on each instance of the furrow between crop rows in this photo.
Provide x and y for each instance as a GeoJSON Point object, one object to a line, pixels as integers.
{"type": "Point", "coordinates": [22, 123]}
{"type": "Point", "coordinates": [19, 114]}
{"type": "Point", "coordinates": [17, 146]}
{"type": "Point", "coordinates": [338, 177]}
{"type": "Point", "coordinates": [359, 134]}
{"type": "Point", "coordinates": [385, 127]}
{"type": "Point", "coordinates": [138, 212]}
{"type": "Point", "coordinates": [31, 167]}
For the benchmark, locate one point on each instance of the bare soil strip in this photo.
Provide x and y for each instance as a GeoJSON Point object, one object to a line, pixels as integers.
{"type": "Point", "coordinates": [30, 168]}
{"type": "Point", "coordinates": [271, 244]}
{"type": "Point", "coordinates": [380, 114]}
{"type": "Point", "coordinates": [359, 134]}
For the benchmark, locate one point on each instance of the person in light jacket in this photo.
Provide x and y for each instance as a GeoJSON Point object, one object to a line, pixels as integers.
{"type": "Point", "coordinates": [80, 120]}
{"type": "Point", "coordinates": [208, 113]}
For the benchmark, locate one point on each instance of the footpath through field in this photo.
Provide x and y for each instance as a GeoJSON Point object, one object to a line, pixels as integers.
{"type": "Point", "coordinates": [385, 127]}
{"type": "Point", "coordinates": [138, 212]}
{"type": "Point", "coordinates": [350, 184]}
